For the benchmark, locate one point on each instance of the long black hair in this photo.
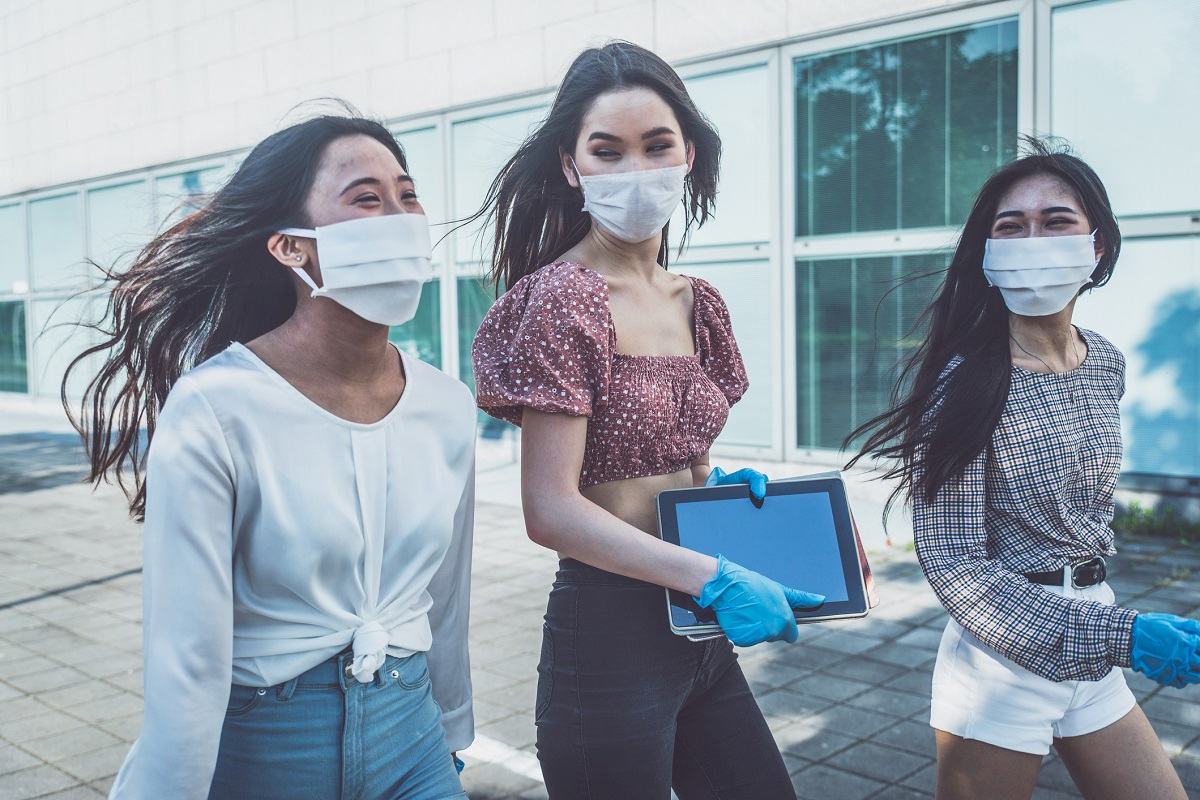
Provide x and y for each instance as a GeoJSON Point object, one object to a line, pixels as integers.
{"type": "Point", "coordinates": [203, 283]}
{"type": "Point", "coordinates": [937, 426]}
{"type": "Point", "coordinates": [537, 214]}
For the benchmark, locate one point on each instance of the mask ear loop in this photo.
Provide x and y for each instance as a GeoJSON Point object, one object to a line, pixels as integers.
{"type": "Point", "coordinates": [579, 177]}
{"type": "Point", "coordinates": [1097, 264]}
{"type": "Point", "coordinates": [304, 233]}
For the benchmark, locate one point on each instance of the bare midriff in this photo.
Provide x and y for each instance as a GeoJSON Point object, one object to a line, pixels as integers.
{"type": "Point", "coordinates": [633, 500]}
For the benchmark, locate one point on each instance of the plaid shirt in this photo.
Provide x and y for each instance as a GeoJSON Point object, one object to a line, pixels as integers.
{"type": "Point", "coordinates": [1039, 498]}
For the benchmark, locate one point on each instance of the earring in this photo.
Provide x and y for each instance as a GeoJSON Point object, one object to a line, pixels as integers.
{"type": "Point", "coordinates": [299, 258]}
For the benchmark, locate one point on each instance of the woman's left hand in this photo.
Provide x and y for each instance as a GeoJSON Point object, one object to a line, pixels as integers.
{"type": "Point", "coordinates": [755, 479]}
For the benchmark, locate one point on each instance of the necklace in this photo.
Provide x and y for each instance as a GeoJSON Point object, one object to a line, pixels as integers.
{"type": "Point", "coordinates": [1070, 373]}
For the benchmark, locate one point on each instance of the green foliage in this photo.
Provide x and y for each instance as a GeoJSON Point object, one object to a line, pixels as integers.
{"type": "Point", "coordinates": [1160, 522]}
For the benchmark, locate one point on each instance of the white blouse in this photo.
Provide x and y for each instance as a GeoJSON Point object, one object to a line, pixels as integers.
{"type": "Point", "coordinates": [277, 534]}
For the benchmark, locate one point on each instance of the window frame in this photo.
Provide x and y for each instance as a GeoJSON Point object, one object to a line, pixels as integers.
{"type": "Point", "coordinates": [227, 163]}
{"type": "Point", "coordinates": [1133, 226]}
{"type": "Point", "coordinates": [79, 191]}
{"type": "Point", "coordinates": [22, 206]}
{"type": "Point", "coordinates": [875, 243]}
{"type": "Point", "coordinates": [112, 182]}
{"type": "Point", "coordinates": [769, 250]}
{"type": "Point", "coordinates": [443, 261]}
{"type": "Point", "coordinates": [456, 269]}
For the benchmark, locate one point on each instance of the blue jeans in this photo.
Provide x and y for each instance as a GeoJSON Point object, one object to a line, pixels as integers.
{"type": "Point", "coordinates": [325, 736]}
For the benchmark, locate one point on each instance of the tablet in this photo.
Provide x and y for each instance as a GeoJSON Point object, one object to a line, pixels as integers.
{"type": "Point", "coordinates": [803, 537]}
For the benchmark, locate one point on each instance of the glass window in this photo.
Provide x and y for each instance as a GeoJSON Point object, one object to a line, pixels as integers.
{"type": "Point", "coordinates": [481, 147]}
{"type": "Point", "coordinates": [13, 374]}
{"type": "Point", "coordinates": [423, 149]}
{"type": "Point", "coordinates": [902, 134]}
{"type": "Point", "coordinates": [57, 339]}
{"type": "Point", "coordinates": [422, 335]}
{"type": "Point", "coordinates": [856, 323]}
{"type": "Point", "coordinates": [745, 287]}
{"type": "Point", "coordinates": [118, 223]}
{"type": "Point", "coordinates": [56, 242]}
{"type": "Point", "coordinates": [475, 297]}
{"type": "Point", "coordinates": [14, 277]}
{"type": "Point", "coordinates": [1140, 97]}
{"type": "Point", "coordinates": [739, 104]}
{"type": "Point", "coordinates": [1150, 311]}
{"type": "Point", "coordinates": [178, 195]}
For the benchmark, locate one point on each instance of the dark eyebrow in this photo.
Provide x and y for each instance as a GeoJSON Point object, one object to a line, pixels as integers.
{"type": "Point", "coordinates": [359, 182]}
{"type": "Point", "coordinates": [650, 134]}
{"type": "Point", "coordinates": [373, 182]}
{"type": "Point", "coordinates": [1050, 210]}
{"type": "Point", "coordinates": [608, 137]}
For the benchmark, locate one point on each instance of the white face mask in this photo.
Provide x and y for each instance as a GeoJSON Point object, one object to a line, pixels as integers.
{"type": "Point", "coordinates": [374, 266]}
{"type": "Point", "coordinates": [1039, 275]}
{"type": "Point", "coordinates": [633, 206]}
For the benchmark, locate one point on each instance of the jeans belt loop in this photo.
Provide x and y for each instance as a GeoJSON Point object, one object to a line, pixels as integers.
{"type": "Point", "coordinates": [287, 689]}
{"type": "Point", "coordinates": [345, 674]}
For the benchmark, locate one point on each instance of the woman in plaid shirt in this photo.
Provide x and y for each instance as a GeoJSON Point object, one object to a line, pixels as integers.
{"type": "Point", "coordinates": [1006, 431]}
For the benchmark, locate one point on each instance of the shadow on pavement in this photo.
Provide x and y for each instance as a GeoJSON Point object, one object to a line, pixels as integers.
{"type": "Point", "coordinates": [40, 460]}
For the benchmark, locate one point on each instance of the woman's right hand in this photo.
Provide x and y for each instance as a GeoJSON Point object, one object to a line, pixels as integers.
{"type": "Point", "coordinates": [752, 608]}
{"type": "Point", "coordinates": [1166, 649]}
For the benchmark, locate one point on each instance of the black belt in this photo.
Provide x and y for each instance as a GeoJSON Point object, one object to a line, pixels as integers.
{"type": "Point", "coordinates": [1083, 574]}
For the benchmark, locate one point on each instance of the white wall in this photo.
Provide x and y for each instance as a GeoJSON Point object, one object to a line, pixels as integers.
{"type": "Point", "coordinates": [95, 87]}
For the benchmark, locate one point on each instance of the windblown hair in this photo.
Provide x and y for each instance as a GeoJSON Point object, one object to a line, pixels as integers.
{"type": "Point", "coordinates": [537, 214]}
{"type": "Point", "coordinates": [206, 281]}
{"type": "Point", "coordinates": [938, 424]}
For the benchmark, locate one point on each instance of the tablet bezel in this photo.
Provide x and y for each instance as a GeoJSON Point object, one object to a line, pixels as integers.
{"type": "Point", "coordinates": [856, 605]}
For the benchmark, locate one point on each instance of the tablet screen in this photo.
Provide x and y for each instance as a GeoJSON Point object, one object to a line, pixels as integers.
{"type": "Point", "coordinates": [802, 537]}
{"type": "Point", "coordinates": [791, 539]}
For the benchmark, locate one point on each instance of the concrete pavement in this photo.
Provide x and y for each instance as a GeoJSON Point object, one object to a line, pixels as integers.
{"type": "Point", "coordinates": [848, 704]}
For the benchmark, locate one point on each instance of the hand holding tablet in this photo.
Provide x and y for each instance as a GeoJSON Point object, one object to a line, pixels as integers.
{"type": "Point", "coordinates": [803, 536]}
{"type": "Point", "coordinates": [751, 608]}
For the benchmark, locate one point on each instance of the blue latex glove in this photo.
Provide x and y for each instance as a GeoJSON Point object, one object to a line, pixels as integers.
{"type": "Point", "coordinates": [458, 764]}
{"type": "Point", "coordinates": [752, 608]}
{"type": "Point", "coordinates": [1166, 649]}
{"type": "Point", "coordinates": [756, 480]}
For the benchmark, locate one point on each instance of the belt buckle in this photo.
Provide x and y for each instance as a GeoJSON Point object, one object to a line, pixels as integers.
{"type": "Point", "coordinates": [1096, 568]}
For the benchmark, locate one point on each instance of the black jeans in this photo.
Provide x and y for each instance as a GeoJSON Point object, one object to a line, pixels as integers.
{"type": "Point", "coordinates": [627, 710]}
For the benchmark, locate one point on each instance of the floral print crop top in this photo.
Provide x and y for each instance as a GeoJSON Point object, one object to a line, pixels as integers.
{"type": "Point", "coordinates": [549, 344]}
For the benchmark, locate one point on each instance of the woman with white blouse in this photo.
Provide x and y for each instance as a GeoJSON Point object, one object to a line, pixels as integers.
{"type": "Point", "coordinates": [308, 491]}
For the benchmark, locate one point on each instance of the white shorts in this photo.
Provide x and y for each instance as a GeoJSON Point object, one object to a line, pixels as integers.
{"type": "Point", "coordinates": [979, 694]}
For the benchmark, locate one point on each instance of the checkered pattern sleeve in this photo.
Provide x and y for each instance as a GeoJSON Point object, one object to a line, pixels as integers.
{"type": "Point", "coordinates": [1056, 637]}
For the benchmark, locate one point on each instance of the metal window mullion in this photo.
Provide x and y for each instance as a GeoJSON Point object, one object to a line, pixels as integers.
{"type": "Point", "coordinates": [854, 148]}
{"type": "Point", "coordinates": [947, 127]}
{"type": "Point", "coordinates": [899, 141]}
{"type": "Point", "coordinates": [813, 366]}
{"type": "Point", "coordinates": [449, 291]}
{"type": "Point", "coordinates": [853, 340]}
{"type": "Point", "coordinates": [1000, 94]}
{"type": "Point", "coordinates": [808, 99]}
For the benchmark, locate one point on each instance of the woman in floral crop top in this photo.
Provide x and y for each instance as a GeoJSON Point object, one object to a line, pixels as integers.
{"type": "Point", "coordinates": [621, 374]}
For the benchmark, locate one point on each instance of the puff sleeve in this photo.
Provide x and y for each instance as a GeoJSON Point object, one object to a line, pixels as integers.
{"type": "Point", "coordinates": [715, 344]}
{"type": "Point", "coordinates": [546, 344]}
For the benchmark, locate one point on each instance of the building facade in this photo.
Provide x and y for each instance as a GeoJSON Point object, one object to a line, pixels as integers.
{"type": "Point", "coordinates": [856, 134]}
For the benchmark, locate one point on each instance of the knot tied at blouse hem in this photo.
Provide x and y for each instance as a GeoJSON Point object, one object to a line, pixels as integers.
{"type": "Point", "coordinates": [370, 651]}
